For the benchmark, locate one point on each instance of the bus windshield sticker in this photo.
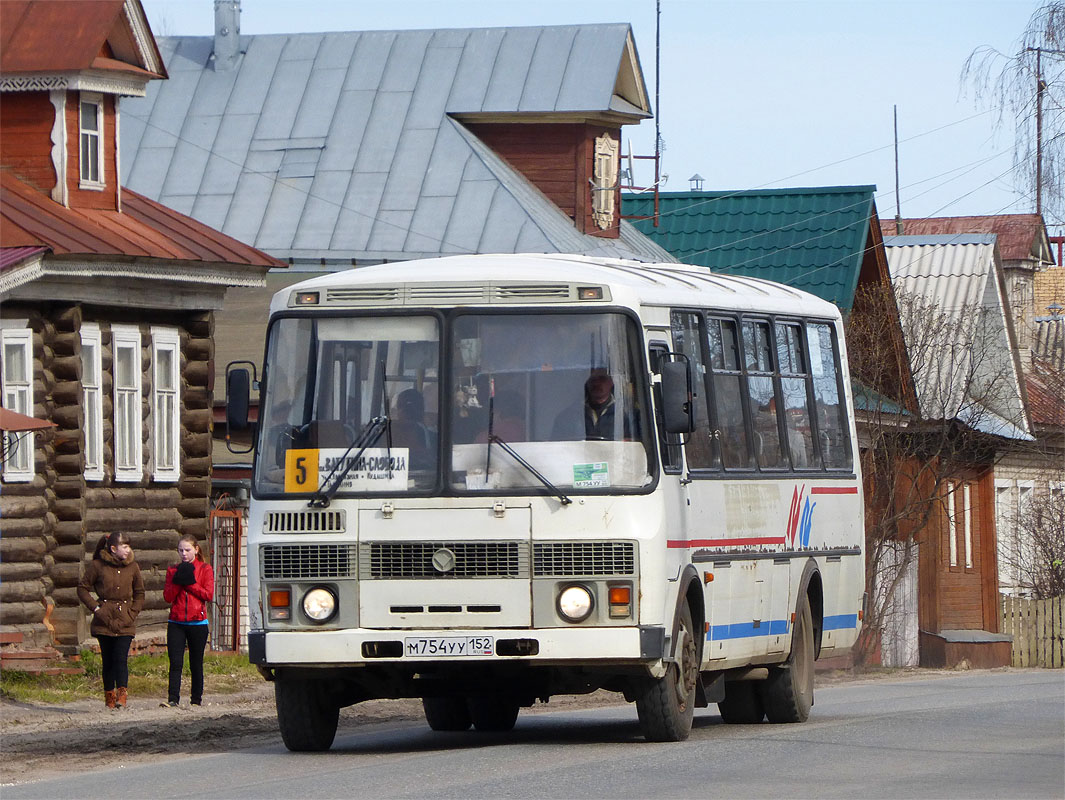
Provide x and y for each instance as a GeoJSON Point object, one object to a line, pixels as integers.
{"type": "Point", "coordinates": [372, 473]}
{"type": "Point", "coordinates": [591, 476]}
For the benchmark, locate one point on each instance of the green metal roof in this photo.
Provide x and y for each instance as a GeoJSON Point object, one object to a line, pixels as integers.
{"type": "Point", "coordinates": [812, 239]}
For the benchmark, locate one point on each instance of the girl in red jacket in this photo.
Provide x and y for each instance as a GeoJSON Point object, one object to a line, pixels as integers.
{"type": "Point", "coordinates": [189, 587]}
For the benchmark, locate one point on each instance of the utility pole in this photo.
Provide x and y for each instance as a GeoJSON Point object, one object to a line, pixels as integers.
{"type": "Point", "coordinates": [898, 199]}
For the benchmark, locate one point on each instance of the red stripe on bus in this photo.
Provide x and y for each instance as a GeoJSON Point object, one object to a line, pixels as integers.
{"type": "Point", "coordinates": [834, 490]}
{"type": "Point", "coordinates": [678, 543]}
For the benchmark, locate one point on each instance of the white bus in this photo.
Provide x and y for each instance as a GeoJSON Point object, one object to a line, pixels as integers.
{"type": "Point", "coordinates": [485, 480]}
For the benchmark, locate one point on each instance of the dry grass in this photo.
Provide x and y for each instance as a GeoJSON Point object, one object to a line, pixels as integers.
{"type": "Point", "coordinates": [224, 672]}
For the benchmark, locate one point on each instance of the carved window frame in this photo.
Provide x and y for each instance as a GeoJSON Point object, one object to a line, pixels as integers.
{"type": "Point", "coordinates": [17, 387]}
{"type": "Point", "coordinates": [166, 404]}
{"type": "Point", "coordinates": [604, 180]}
{"type": "Point", "coordinates": [129, 451]}
{"type": "Point", "coordinates": [92, 399]}
{"type": "Point", "coordinates": [91, 143]}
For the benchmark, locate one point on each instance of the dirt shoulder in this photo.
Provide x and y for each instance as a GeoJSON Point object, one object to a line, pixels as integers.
{"type": "Point", "coordinates": [40, 741]}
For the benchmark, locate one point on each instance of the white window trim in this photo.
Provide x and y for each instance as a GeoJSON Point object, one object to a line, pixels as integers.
{"type": "Point", "coordinates": [967, 521]}
{"type": "Point", "coordinates": [94, 427]}
{"type": "Point", "coordinates": [127, 335]}
{"type": "Point", "coordinates": [83, 182]}
{"type": "Point", "coordinates": [952, 524]}
{"type": "Point", "coordinates": [166, 339]}
{"type": "Point", "coordinates": [1005, 531]}
{"type": "Point", "coordinates": [13, 473]}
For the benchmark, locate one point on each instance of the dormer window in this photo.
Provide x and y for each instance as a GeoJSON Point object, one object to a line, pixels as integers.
{"type": "Point", "coordinates": [92, 136]}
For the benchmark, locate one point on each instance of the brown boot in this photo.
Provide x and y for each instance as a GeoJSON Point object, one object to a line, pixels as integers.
{"type": "Point", "coordinates": [109, 698]}
{"type": "Point", "coordinates": [120, 696]}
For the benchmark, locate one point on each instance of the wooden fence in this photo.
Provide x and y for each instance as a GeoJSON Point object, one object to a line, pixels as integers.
{"type": "Point", "coordinates": [1036, 628]}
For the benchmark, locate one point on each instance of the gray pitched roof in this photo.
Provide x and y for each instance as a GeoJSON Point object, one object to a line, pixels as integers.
{"type": "Point", "coordinates": [342, 146]}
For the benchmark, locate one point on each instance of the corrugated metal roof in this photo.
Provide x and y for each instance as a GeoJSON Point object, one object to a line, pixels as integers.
{"type": "Point", "coordinates": [810, 238]}
{"type": "Point", "coordinates": [344, 146]}
{"type": "Point", "coordinates": [1020, 236]}
{"type": "Point", "coordinates": [956, 330]}
{"type": "Point", "coordinates": [67, 36]}
{"type": "Point", "coordinates": [143, 229]}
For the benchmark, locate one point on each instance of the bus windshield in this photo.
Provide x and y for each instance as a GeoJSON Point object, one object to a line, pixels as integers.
{"type": "Point", "coordinates": [563, 391]}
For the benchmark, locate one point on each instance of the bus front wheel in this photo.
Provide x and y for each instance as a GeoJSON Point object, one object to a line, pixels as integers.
{"type": "Point", "coordinates": [306, 715]}
{"type": "Point", "coordinates": [446, 713]}
{"type": "Point", "coordinates": [665, 705]}
{"type": "Point", "coordinates": [788, 692]}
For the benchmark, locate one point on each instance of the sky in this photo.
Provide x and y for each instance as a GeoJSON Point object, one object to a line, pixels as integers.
{"type": "Point", "coordinates": [760, 93]}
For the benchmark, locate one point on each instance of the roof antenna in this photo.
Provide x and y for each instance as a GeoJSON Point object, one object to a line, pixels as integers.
{"type": "Point", "coordinates": [898, 199]}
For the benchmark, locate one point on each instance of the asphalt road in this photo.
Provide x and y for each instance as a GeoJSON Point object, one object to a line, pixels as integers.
{"type": "Point", "coordinates": [970, 735]}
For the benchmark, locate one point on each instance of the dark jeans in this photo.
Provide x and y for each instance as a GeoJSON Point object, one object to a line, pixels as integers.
{"type": "Point", "coordinates": [114, 652]}
{"type": "Point", "coordinates": [177, 636]}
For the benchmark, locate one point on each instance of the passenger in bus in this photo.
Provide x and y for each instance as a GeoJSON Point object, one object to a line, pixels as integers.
{"type": "Point", "coordinates": [597, 412]}
{"type": "Point", "coordinates": [409, 429]}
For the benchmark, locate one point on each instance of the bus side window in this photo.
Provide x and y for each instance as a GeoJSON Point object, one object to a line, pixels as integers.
{"type": "Point", "coordinates": [688, 339]}
{"type": "Point", "coordinates": [730, 432]}
{"type": "Point", "coordinates": [794, 381]}
{"type": "Point", "coordinates": [764, 404]}
{"type": "Point", "coordinates": [830, 413]}
{"type": "Point", "coordinates": [670, 442]}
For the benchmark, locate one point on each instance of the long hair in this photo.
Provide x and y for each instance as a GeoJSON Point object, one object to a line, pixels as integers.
{"type": "Point", "coordinates": [191, 539]}
{"type": "Point", "coordinates": [109, 540]}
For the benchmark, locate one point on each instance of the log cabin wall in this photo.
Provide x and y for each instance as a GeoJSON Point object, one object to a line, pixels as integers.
{"type": "Point", "coordinates": [51, 524]}
{"type": "Point", "coordinates": [558, 158]}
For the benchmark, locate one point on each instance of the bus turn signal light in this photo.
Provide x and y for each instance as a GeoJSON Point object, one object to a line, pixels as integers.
{"type": "Point", "coordinates": [620, 601]}
{"type": "Point", "coordinates": [280, 604]}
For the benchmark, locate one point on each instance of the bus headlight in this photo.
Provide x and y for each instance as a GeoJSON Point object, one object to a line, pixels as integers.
{"type": "Point", "coordinates": [319, 604]}
{"type": "Point", "coordinates": [575, 603]}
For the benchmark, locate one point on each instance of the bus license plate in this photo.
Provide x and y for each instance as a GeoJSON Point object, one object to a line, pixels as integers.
{"type": "Point", "coordinates": [446, 646]}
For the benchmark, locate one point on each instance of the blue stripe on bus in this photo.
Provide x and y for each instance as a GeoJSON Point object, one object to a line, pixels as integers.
{"type": "Point", "coordinates": [744, 630]}
{"type": "Point", "coordinates": [774, 627]}
{"type": "Point", "coordinates": [840, 621]}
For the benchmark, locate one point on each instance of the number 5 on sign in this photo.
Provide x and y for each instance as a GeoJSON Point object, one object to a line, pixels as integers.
{"type": "Point", "coordinates": [301, 471]}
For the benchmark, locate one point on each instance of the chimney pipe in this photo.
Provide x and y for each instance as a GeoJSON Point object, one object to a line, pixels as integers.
{"type": "Point", "coordinates": [226, 34]}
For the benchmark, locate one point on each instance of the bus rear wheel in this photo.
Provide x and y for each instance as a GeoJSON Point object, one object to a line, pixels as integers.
{"type": "Point", "coordinates": [788, 692]}
{"type": "Point", "coordinates": [446, 713]}
{"type": "Point", "coordinates": [493, 712]}
{"type": "Point", "coordinates": [665, 705]}
{"type": "Point", "coordinates": [305, 714]}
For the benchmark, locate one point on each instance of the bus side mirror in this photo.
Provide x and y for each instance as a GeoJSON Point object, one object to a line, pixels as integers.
{"type": "Point", "coordinates": [238, 398]}
{"type": "Point", "coordinates": [677, 411]}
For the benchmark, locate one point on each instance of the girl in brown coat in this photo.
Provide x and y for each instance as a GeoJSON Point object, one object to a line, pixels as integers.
{"type": "Point", "coordinates": [115, 578]}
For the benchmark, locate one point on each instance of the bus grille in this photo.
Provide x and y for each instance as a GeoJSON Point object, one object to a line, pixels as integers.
{"type": "Point", "coordinates": [304, 522]}
{"type": "Point", "coordinates": [574, 559]}
{"type": "Point", "coordinates": [298, 561]}
{"type": "Point", "coordinates": [383, 560]}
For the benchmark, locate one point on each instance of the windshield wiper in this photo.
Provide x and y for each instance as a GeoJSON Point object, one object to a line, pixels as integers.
{"type": "Point", "coordinates": [366, 438]}
{"type": "Point", "coordinates": [562, 498]}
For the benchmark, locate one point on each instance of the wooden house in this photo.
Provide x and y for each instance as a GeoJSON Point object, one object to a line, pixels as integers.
{"type": "Point", "coordinates": [107, 319]}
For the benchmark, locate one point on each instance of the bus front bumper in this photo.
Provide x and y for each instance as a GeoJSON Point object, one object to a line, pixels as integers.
{"type": "Point", "coordinates": [645, 643]}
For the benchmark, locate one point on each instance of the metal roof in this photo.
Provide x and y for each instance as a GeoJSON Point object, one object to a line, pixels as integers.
{"type": "Point", "coordinates": [1021, 237]}
{"type": "Point", "coordinates": [68, 35]}
{"type": "Point", "coordinates": [143, 229]}
{"type": "Point", "coordinates": [811, 238]}
{"type": "Point", "coordinates": [342, 146]}
{"type": "Point", "coordinates": [965, 367]}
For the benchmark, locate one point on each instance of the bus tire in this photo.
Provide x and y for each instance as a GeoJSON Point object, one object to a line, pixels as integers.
{"type": "Point", "coordinates": [446, 713]}
{"type": "Point", "coordinates": [788, 692]}
{"type": "Point", "coordinates": [742, 704]}
{"type": "Point", "coordinates": [493, 712]}
{"type": "Point", "coordinates": [665, 705]}
{"type": "Point", "coordinates": [306, 716]}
